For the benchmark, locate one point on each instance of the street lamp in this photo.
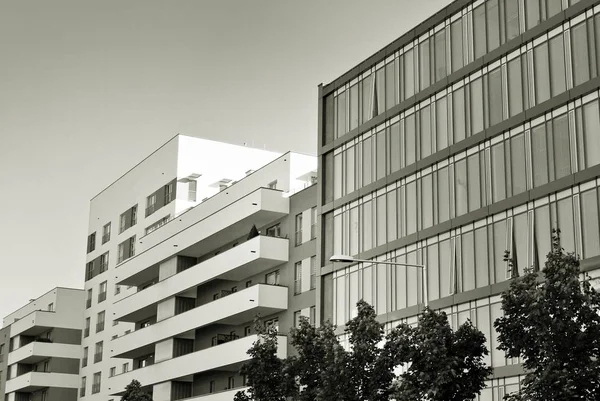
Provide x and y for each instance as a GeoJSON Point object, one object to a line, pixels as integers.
{"type": "Point", "coordinates": [351, 259]}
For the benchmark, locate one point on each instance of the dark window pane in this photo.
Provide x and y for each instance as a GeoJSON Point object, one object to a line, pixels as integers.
{"type": "Point", "coordinates": [426, 201]}
{"type": "Point", "coordinates": [542, 233]}
{"type": "Point", "coordinates": [392, 219]}
{"type": "Point", "coordinates": [341, 114]}
{"type": "Point", "coordinates": [381, 220]}
{"type": "Point", "coordinates": [424, 64]}
{"type": "Point", "coordinates": [367, 161]}
{"type": "Point", "coordinates": [411, 208]}
{"type": "Point", "coordinates": [512, 19]}
{"type": "Point", "coordinates": [565, 224]}
{"type": "Point", "coordinates": [367, 98]}
{"type": "Point", "coordinates": [353, 107]}
{"type": "Point", "coordinates": [553, 7]}
{"type": "Point", "coordinates": [475, 190]}
{"type": "Point", "coordinates": [495, 96]}
{"type": "Point", "coordinates": [329, 119]}
{"type": "Point", "coordinates": [440, 55]}
{"type": "Point", "coordinates": [441, 123]}
{"type": "Point", "coordinates": [589, 223]}
{"type": "Point", "coordinates": [328, 184]}
{"type": "Point", "coordinates": [409, 74]}
{"type": "Point", "coordinates": [557, 69]}
{"type": "Point", "coordinates": [562, 147]}
{"type": "Point", "coordinates": [391, 89]}
{"type": "Point", "coordinates": [518, 170]}
{"type": "Point", "coordinates": [481, 257]}
{"type": "Point", "coordinates": [493, 24]}
{"type": "Point", "coordinates": [579, 46]}
{"type": "Point", "coordinates": [409, 134]}
{"type": "Point", "coordinates": [542, 73]}
{"type": "Point", "coordinates": [458, 115]}
{"type": "Point", "coordinates": [425, 122]}
{"type": "Point", "coordinates": [532, 9]}
{"type": "Point", "coordinates": [521, 240]}
{"type": "Point", "coordinates": [591, 128]}
{"type": "Point", "coordinates": [380, 92]}
{"type": "Point", "coordinates": [460, 187]}
{"type": "Point", "coordinates": [498, 173]}
{"type": "Point", "coordinates": [479, 31]}
{"type": "Point", "coordinates": [380, 159]}
{"type": "Point", "coordinates": [499, 234]}
{"type": "Point", "coordinates": [539, 155]}
{"type": "Point", "coordinates": [476, 106]}
{"type": "Point", "coordinates": [395, 147]}
{"type": "Point", "coordinates": [443, 195]}
{"type": "Point", "coordinates": [456, 37]}
{"type": "Point", "coordinates": [468, 261]}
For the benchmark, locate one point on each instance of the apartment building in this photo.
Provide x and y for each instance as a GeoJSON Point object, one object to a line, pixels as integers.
{"type": "Point", "coordinates": [475, 132]}
{"type": "Point", "coordinates": [221, 233]}
{"type": "Point", "coordinates": [40, 346]}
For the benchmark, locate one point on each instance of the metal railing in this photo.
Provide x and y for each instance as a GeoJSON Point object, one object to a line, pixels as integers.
{"type": "Point", "coordinates": [223, 338]}
{"type": "Point", "coordinates": [102, 296]}
{"type": "Point", "coordinates": [95, 388]}
{"type": "Point", "coordinates": [105, 238]}
{"type": "Point", "coordinates": [222, 294]}
{"type": "Point", "coordinates": [99, 327]}
{"type": "Point", "coordinates": [150, 209]}
{"type": "Point", "coordinates": [82, 392]}
{"type": "Point", "coordinates": [97, 357]}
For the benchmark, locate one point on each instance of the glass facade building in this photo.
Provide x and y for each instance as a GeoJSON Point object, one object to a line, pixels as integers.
{"type": "Point", "coordinates": [474, 133]}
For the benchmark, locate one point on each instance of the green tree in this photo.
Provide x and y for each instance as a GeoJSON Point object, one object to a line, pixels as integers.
{"type": "Point", "coordinates": [266, 375]}
{"type": "Point", "coordinates": [445, 365]}
{"type": "Point", "coordinates": [133, 392]}
{"type": "Point", "coordinates": [554, 326]}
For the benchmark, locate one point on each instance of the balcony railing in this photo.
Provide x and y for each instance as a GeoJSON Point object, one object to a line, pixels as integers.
{"type": "Point", "coordinates": [88, 303]}
{"type": "Point", "coordinates": [97, 357]}
{"type": "Point", "coordinates": [222, 294]}
{"type": "Point", "coordinates": [223, 338]}
{"type": "Point", "coordinates": [101, 296]}
{"type": "Point", "coordinates": [99, 327]}
{"type": "Point", "coordinates": [95, 388]}
{"type": "Point", "coordinates": [105, 238]}
{"type": "Point", "coordinates": [82, 392]}
{"type": "Point", "coordinates": [150, 209]}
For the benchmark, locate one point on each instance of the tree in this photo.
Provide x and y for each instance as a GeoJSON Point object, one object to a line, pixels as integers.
{"type": "Point", "coordinates": [133, 392]}
{"type": "Point", "coordinates": [554, 326]}
{"type": "Point", "coordinates": [266, 375]}
{"type": "Point", "coordinates": [445, 365]}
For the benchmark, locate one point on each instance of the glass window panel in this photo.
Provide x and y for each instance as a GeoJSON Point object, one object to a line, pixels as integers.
{"type": "Point", "coordinates": [512, 19]}
{"type": "Point", "coordinates": [557, 68]}
{"type": "Point", "coordinates": [340, 297]}
{"type": "Point", "coordinates": [409, 74]}
{"type": "Point", "coordinates": [367, 162]}
{"type": "Point", "coordinates": [474, 182]}
{"type": "Point", "coordinates": [329, 118]}
{"type": "Point", "coordinates": [425, 122]}
{"type": "Point", "coordinates": [597, 38]}
{"type": "Point", "coordinates": [589, 223]}
{"type": "Point", "coordinates": [328, 170]}
{"type": "Point", "coordinates": [542, 73]}
{"type": "Point", "coordinates": [381, 151]}
{"type": "Point", "coordinates": [481, 257]}
{"type": "Point", "coordinates": [460, 186]}
{"type": "Point", "coordinates": [457, 45]}
{"type": "Point", "coordinates": [337, 234]}
{"type": "Point", "coordinates": [410, 139]}
{"type": "Point", "coordinates": [341, 114]}
{"type": "Point", "coordinates": [542, 233]}
{"type": "Point", "coordinates": [521, 239]}
{"type": "Point", "coordinates": [518, 169]}
{"type": "Point", "coordinates": [391, 89]}
{"type": "Point", "coordinates": [493, 24]}
{"type": "Point", "coordinates": [553, 7]}
{"type": "Point", "coordinates": [440, 55]}
{"type": "Point", "coordinates": [401, 287]}
{"type": "Point", "coordinates": [337, 174]}
{"type": "Point", "coordinates": [458, 115]}
{"type": "Point", "coordinates": [433, 278]}
{"type": "Point", "coordinates": [354, 232]}
{"type": "Point", "coordinates": [424, 64]}
{"type": "Point", "coordinates": [395, 147]}
{"type": "Point", "coordinates": [427, 201]}
{"type": "Point", "coordinates": [367, 224]}
{"type": "Point", "coordinates": [499, 248]}
{"type": "Point", "coordinates": [381, 290]}
{"type": "Point", "coordinates": [479, 33]}
{"type": "Point", "coordinates": [353, 107]}
{"type": "Point", "coordinates": [476, 106]}
{"type": "Point", "coordinates": [562, 148]}
{"type": "Point", "coordinates": [411, 208]}
{"type": "Point", "coordinates": [484, 324]}
{"type": "Point", "coordinates": [367, 98]}
{"type": "Point", "coordinates": [353, 284]}
{"type": "Point", "coordinates": [497, 355]}
{"type": "Point", "coordinates": [591, 128]}
{"type": "Point", "coordinates": [392, 223]}
{"type": "Point", "coordinates": [443, 195]}
{"type": "Point", "coordinates": [565, 224]}
{"type": "Point", "coordinates": [515, 87]}
{"type": "Point", "coordinates": [532, 9]}
{"type": "Point", "coordinates": [412, 288]}
{"type": "Point", "coordinates": [539, 155]}
{"type": "Point", "coordinates": [328, 234]}
{"type": "Point", "coordinates": [367, 284]}
{"type": "Point", "coordinates": [444, 251]}
{"type": "Point", "coordinates": [441, 121]}
{"type": "Point", "coordinates": [495, 92]}
{"type": "Point", "coordinates": [381, 220]}
{"type": "Point", "coordinates": [468, 261]}
{"type": "Point", "coordinates": [379, 92]}
{"type": "Point", "coordinates": [498, 173]}
{"type": "Point", "coordinates": [350, 170]}
{"type": "Point", "coordinates": [579, 46]}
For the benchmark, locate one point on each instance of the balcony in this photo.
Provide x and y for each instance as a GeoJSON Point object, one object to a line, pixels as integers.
{"type": "Point", "coordinates": [226, 395]}
{"type": "Point", "coordinates": [245, 260]}
{"type": "Point", "coordinates": [195, 233]}
{"type": "Point", "coordinates": [34, 381]}
{"type": "Point", "coordinates": [236, 308]}
{"type": "Point", "coordinates": [228, 356]}
{"type": "Point", "coordinates": [38, 351]}
{"type": "Point", "coordinates": [40, 321]}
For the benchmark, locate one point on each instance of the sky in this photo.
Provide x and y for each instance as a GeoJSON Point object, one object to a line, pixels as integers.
{"type": "Point", "coordinates": [90, 88]}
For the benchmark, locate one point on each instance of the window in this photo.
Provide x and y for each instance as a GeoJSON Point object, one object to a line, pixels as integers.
{"type": "Point", "coordinates": [248, 283]}
{"type": "Point", "coordinates": [84, 360]}
{"type": "Point", "coordinates": [313, 221]}
{"type": "Point", "coordinates": [298, 229]}
{"type": "Point", "coordinates": [97, 382]}
{"type": "Point", "coordinates": [98, 352]}
{"type": "Point", "coordinates": [230, 382]}
{"type": "Point", "coordinates": [313, 272]}
{"type": "Point", "coordinates": [125, 367]}
{"type": "Point", "coordinates": [89, 270]}
{"type": "Point", "coordinates": [313, 315]}
{"type": "Point", "coordinates": [117, 289]}
{"type": "Point", "coordinates": [100, 322]}
{"type": "Point", "coordinates": [297, 316]}
{"type": "Point", "coordinates": [247, 331]}
{"type": "Point", "coordinates": [151, 204]}
{"type": "Point", "coordinates": [113, 371]}
{"type": "Point", "coordinates": [44, 395]}
{"type": "Point", "coordinates": [211, 386]}
{"type": "Point", "coordinates": [106, 233]}
{"type": "Point", "coordinates": [273, 185]}
{"type": "Point", "coordinates": [91, 242]}
{"type": "Point", "coordinates": [104, 262]}
{"type": "Point", "coordinates": [51, 307]}
{"type": "Point", "coordinates": [274, 231]}
{"type": "Point", "coordinates": [128, 219]}
{"type": "Point", "coordinates": [169, 192]}
{"type": "Point", "coordinates": [579, 46]}
{"type": "Point", "coordinates": [158, 224]}
{"type": "Point", "coordinates": [297, 277]}
{"type": "Point", "coordinates": [192, 189]}
{"type": "Point", "coordinates": [126, 249]}
{"type": "Point", "coordinates": [86, 330]}
{"type": "Point", "coordinates": [272, 278]}
{"type": "Point", "coordinates": [102, 292]}
{"type": "Point", "coordinates": [82, 389]}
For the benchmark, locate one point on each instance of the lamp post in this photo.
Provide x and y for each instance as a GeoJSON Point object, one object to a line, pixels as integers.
{"type": "Point", "coordinates": [350, 259]}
